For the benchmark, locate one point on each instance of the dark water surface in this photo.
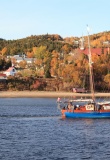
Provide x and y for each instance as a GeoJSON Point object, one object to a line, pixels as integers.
{"type": "Point", "coordinates": [32, 129]}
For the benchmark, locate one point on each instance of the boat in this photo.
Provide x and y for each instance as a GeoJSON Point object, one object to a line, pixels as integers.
{"type": "Point", "coordinates": [85, 108]}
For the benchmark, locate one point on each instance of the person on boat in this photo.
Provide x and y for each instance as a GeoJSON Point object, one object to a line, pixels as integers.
{"type": "Point", "coordinates": [69, 106]}
{"type": "Point", "coordinates": [75, 107]}
{"type": "Point", "coordinates": [64, 108]}
{"type": "Point", "coordinates": [100, 107]}
{"type": "Point", "coordinates": [58, 99]}
{"type": "Point", "coordinates": [78, 106]}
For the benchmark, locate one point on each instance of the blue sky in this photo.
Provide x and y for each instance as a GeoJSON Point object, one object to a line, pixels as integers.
{"type": "Point", "coordinates": [23, 18]}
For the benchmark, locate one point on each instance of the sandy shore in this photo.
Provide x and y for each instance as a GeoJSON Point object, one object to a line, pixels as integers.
{"type": "Point", "coordinates": [43, 94]}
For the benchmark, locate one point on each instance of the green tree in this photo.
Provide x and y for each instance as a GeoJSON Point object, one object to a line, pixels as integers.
{"type": "Point", "coordinates": [47, 69]}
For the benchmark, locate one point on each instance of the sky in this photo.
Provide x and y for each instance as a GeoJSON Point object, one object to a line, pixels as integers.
{"type": "Point", "coordinates": [68, 18]}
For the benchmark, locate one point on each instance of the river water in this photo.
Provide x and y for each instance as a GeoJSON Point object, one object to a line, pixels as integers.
{"type": "Point", "coordinates": [32, 129]}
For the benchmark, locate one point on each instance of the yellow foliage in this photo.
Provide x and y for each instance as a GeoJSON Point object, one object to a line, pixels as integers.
{"type": "Point", "coordinates": [107, 78]}
{"type": "Point", "coordinates": [40, 52]}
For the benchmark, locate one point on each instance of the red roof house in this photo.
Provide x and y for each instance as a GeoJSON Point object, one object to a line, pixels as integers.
{"type": "Point", "coordinates": [2, 76]}
{"type": "Point", "coordinates": [11, 71]}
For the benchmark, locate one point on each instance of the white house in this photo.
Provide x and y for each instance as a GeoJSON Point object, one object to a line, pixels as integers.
{"type": "Point", "coordinates": [11, 71]}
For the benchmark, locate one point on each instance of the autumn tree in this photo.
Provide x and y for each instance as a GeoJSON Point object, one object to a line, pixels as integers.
{"type": "Point", "coordinates": [43, 60]}
{"type": "Point", "coordinates": [5, 64]}
{"type": "Point", "coordinates": [30, 54]}
{"type": "Point", "coordinates": [65, 48]}
{"type": "Point", "coordinates": [40, 52]}
{"type": "Point", "coordinates": [107, 81]}
{"type": "Point", "coordinates": [47, 62]}
{"type": "Point", "coordinates": [54, 63]}
{"type": "Point", "coordinates": [4, 51]}
{"type": "Point", "coordinates": [22, 64]}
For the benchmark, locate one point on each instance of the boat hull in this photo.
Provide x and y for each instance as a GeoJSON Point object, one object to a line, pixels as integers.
{"type": "Point", "coordinates": [87, 115]}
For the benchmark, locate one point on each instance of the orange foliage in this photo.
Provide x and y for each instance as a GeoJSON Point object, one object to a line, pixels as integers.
{"type": "Point", "coordinates": [55, 54]}
{"type": "Point", "coordinates": [36, 84]}
{"type": "Point", "coordinates": [56, 36]}
{"type": "Point", "coordinates": [30, 54]}
{"type": "Point", "coordinates": [53, 62]}
{"type": "Point", "coordinates": [107, 79]}
{"type": "Point", "coordinates": [38, 62]}
{"type": "Point", "coordinates": [65, 48]}
{"type": "Point", "coordinates": [4, 50]}
{"type": "Point", "coordinates": [34, 49]}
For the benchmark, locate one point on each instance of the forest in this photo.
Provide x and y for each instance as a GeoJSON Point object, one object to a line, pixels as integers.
{"type": "Point", "coordinates": [60, 63]}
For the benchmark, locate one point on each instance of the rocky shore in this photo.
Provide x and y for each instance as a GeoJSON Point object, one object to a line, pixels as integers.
{"type": "Point", "coordinates": [45, 94]}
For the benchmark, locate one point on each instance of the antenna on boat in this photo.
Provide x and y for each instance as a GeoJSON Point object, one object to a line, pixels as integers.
{"type": "Point", "coordinates": [90, 66]}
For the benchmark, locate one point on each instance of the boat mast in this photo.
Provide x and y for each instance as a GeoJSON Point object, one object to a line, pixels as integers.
{"type": "Point", "coordinates": [90, 68]}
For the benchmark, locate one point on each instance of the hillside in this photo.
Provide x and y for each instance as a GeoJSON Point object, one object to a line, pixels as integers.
{"type": "Point", "coordinates": [61, 59]}
{"type": "Point", "coordinates": [52, 42]}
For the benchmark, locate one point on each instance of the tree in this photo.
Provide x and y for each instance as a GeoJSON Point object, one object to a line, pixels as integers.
{"type": "Point", "coordinates": [22, 64]}
{"type": "Point", "coordinates": [54, 63]}
{"type": "Point", "coordinates": [47, 69]}
{"type": "Point", "coordinates": [43, 60]}
{"type": "Point", "coordinates": [4, 51]}
{"type": "Point", "coordinates": [65, 48]}
{"type": "Point", "coordinates": [30, 54]}
{"type": "Point", "coordinates": [40, 52]}
{"type": "Point", "coordinates": [8, 63]}
{"type": "Point", "coordinates": [107, 80]}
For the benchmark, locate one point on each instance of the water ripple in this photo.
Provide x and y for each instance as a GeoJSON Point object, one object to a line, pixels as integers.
{"type": "Point", "coordinates": [32, 129]}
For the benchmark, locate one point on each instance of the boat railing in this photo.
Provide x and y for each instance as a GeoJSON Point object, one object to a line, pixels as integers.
{"type": "Point", "coordinates": [103, 103]}
{"type": "Point", "coordinates": [82, 100]}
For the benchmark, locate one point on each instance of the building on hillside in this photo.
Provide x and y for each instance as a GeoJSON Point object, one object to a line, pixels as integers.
{"type": "Point", "coordinates": [97, 51]}
{"type": "Point", "coordinates": [10, 72]}
{"type": "Point", "coordinates": [3, 77]}
{"type": "Point", "coordinates": [18, 59]}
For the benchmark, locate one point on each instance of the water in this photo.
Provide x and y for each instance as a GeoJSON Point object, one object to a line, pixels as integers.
{"type": "Point", "coordinates": [32, 129]}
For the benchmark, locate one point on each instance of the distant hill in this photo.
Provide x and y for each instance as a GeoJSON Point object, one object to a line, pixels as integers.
{"type": "Point", "coordinates": [95, 39]}
{"type": "Point", "coordinates": [52, 42]}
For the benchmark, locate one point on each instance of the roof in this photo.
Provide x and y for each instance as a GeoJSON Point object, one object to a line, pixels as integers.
{"type": "Point", "coordinates": [2, 75]}
{"type": "Point", "coordinates": [25, 59]}
{"type": "Point", "coordinates": [97, 51]}
{"type": "Point", "coordinates": [9, 69]}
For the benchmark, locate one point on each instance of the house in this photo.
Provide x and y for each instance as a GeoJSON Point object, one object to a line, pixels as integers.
{"type": "Point", "coordinates": [2, 77]}
{"type": "Point", "coordinates": [97, 51]}
{"type": "Point", "coordinates": [10, 72]}
{"type": "Point", "coordinates": [20, 58]}
{"type": "Point", "coordinates": [27, 60]}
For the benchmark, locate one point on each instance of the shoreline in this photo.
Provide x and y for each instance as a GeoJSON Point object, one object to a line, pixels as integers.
{"type": "Point", "coordinates": [47, 94]}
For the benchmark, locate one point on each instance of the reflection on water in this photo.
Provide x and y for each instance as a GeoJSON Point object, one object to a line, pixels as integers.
{"type": "Point", "coordinates": [32, 128]}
